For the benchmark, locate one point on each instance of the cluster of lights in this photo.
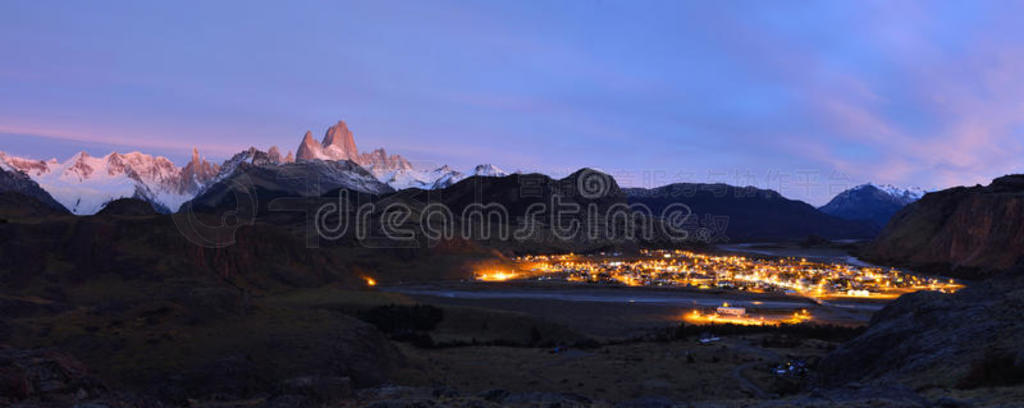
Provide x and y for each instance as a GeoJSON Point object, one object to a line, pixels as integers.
{"type": "Point", "coordinates": [817, 280]}
{"type": "Point", "coordinates": [727, 315]}
{"type": "Point", "coordinates": [495, 276]}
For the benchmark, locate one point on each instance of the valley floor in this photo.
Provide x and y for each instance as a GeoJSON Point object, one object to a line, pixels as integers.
{"type": "Point", "coordinates": [452, 343]}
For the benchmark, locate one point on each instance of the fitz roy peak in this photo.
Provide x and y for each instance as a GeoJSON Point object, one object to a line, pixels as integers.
{"type": "Point", "coordinates": [394, 170]}
{"type": "Point", "coordinates": [84, 184]}
{"type": "Point", "coordinates": [339, 144]}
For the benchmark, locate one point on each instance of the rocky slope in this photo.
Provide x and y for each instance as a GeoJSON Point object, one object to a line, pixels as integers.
{"type": "Point", "coordinates": [13, 180]}
{"type": "Point", "coordinates": [870, 202]}
{"type": "Point", "coordinates": [250, 175]}
{"type": "Point", "coordinates": [928, 339]}
{"type": "Point", "coordinates": [963, 231]}
{"type": "Point", "coordinates": [748, 213]}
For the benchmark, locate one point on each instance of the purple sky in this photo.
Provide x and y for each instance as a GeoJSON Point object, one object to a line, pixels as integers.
{"type": "Point", "coordinates": [802, 97]}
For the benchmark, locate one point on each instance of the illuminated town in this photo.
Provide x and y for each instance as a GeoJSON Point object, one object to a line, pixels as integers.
{"type": "Point", "coordinates": [684, 269]}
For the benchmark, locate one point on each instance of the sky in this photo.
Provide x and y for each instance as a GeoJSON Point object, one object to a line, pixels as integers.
{"type": "Point", "coordinates": [804, 97]}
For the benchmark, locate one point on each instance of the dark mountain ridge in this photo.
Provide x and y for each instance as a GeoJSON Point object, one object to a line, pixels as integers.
{"type": "Point", "coordinates": [12, 180]}
{"type": "Point", "coordinates": [752, 214]}
{"type": "Point", "coordinates": [868, 202]}
{"type": "Point", "coordinates": [970, 232]}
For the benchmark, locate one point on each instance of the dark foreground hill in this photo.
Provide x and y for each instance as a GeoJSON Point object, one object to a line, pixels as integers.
{"type": "Point", "coordinates": [963, 231]}
{"type": "Point", "coordinates": [928, 339]}
{"type": "Point", "coordinates": [751, 214]}
{"type": "Point", "coordinates": [147, 309]}
{"type": "Point", "coordinates": [129, 207]}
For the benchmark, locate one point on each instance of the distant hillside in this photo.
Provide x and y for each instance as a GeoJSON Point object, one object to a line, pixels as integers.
{"type": "Point", "coordinates": [753, 214]}
{"type": "Point", "coordinates": [965, 231]}
{"type": "Point", "coordinates": [870, 202]}
{"type": "Point", "coordinates": [518, 193]}
{"type": "Point", "coordinates": [129, 207]}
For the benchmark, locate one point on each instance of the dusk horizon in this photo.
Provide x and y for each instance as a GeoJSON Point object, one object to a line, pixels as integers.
{"type": "Point", "coordinates": [691, 91]}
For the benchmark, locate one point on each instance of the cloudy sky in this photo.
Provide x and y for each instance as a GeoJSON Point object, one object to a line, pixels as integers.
{"type": "Point", "coordinates": [804, 97]}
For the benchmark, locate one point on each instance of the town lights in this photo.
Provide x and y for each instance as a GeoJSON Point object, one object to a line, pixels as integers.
{"type": "Point", "coordinates": [794, 276]}
{"type": "Point", "coordinates": [735, 315]}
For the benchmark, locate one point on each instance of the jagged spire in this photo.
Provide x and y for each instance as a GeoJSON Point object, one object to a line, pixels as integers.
{"type": "Point", "coordinates": [339, 144]}
{"type": "Point", "coordinates": [309, 149]}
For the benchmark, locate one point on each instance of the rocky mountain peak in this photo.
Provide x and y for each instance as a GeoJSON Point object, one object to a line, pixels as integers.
{"type": "Point", "coordinates": [196, 173]}
{"type": "Point", "coordinates": [871, 202]}
{"type": "Point", "coordinates": [339, 143]}
{"type": "Point", "coordinates": [379, 160]}
{"type": "Point", "coordinates": [489, 170]}
{"type": "Point", "coordinates": [274, 154]}
{"type": "Point", "coordinates": [309, 149]}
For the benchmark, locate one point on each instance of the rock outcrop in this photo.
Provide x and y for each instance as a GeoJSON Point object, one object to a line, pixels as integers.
{"type": "Point", "coordinates": [969, 232]}
{"type": "Point", "coordinates": [40, 374]}
{"type": "Point", "coordinates": [196, 173]}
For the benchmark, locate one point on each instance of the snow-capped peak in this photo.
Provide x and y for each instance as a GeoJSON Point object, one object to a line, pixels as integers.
{"type": "Point", "coordinates": [902, 195]}
{"type": "Point", "coordinates": [489, 170]}
{"type": "Point", "coordinates": [3, 163]}
{"type": "Point", "coordinates": [84, 183]}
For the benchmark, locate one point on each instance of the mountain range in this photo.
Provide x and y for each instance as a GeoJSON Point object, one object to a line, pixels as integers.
{"type": "Point", "coordinates": [83, 184]}
{"type": "Point", "coordinates": [752, 214]}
